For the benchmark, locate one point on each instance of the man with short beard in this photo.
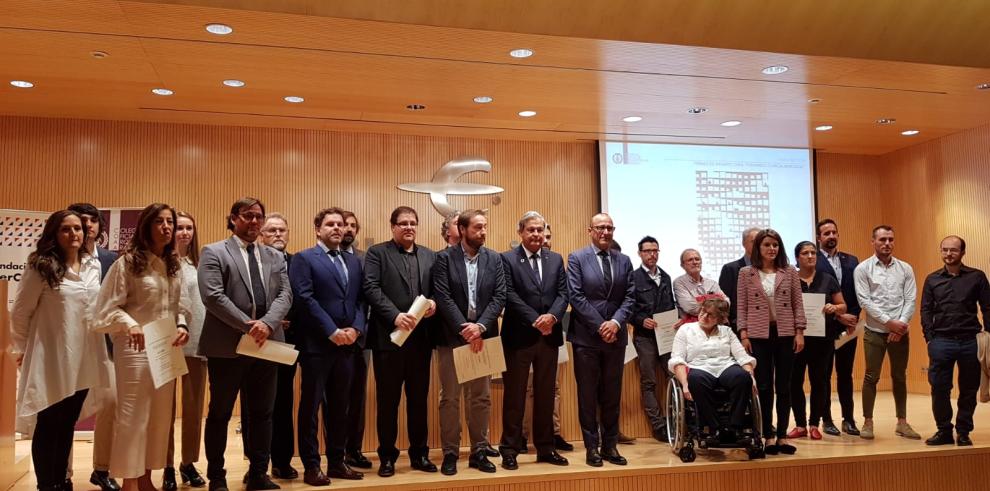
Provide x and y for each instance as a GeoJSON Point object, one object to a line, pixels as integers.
{"type": "Point", "coordinates": [359, 386]}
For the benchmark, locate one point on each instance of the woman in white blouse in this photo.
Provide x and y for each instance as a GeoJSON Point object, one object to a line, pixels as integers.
{"type": "Point", "coordinates": [707, 355]}
{"type": "Point", "coordinates": [143, 286]}
{"type": "Point", "coordinates": [60, 358]}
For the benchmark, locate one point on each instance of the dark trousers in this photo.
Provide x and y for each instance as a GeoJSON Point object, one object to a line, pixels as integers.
{"type": "Point", "coordinates": [598, 373]}
{"type": "Point", "coordinates": [408, 367]}
{"type": "Point", "coordinates": [283, 435]}
{"type": "Point", "coordinates": [543, 358]}
{"type": "Point", "coordinates": [733, 379]}
{"type": "Point", "coordinates": [943, 355]}
{"type": "Point", "coordinates": [774, 363]}
{"type": "Point", "coordinates": [650, 364]}
{"type": "Point", "coordinates": [52, 440]}
{"type": "Point", "coordinates": [255, 380]}
{"type": "Point", "coordinates": [355, 407]}
{"type": "Point", "coordinates": [844, 359]}
{"type": "Point", "coordinates": [325, 379]}
{"type": "Point", "coordinates": [815, 359]}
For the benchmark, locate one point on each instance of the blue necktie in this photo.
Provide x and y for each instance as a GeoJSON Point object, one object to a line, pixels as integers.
{"type": "Point", "coordinates": [338, 266]}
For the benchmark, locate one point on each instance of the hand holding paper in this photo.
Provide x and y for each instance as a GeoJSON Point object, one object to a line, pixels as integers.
{"type": "Point", "coordinates": [165, 359]}
{"type": "Point", "coordinates": [489, 360]}
{"type": "Point", "coordinates": [275, 351]}
{"type": "Point", "coordinates": [665, 330]}
{"type": "Point", "coordinates": [419, 308]}
{"type": "Point", "coordinates": [814, 306]}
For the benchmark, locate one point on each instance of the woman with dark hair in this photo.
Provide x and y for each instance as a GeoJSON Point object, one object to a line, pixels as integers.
{"type": "Point", "coordinates": [60, 358]}
{"type": "Point", "coordinates": [818, 351]}
{"type": "Point", "coordinates": [770, 320]}
{"type": "Point", "coordinates": [143, 286]}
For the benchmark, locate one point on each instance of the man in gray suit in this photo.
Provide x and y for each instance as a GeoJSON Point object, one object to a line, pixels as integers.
{"type": "Point", "coordinates": [245, 288]}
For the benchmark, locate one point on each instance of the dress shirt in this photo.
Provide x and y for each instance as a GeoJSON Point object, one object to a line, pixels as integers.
{"type": "Point", "coordinates": [602, 269]}
{"type": "Point", "coordinates": [885, 292]}
{"type": "Point", "coordinates": [339, 333]}
{"type": "Point", "coordinates": [471, 264]}
{"type": "Point", "coordinates": [712, 354]}
{"type": "Point", "coordinates": [410, 271]}
{"type": "Point", "coordinates": [948, 303]}
{"type": "Point", "coordinates": [655, 275]}
{"type": "Point", "coordinates": [127, 300]}
{"type": "Point", "coordinates": [686, 291]}
{"type": "Point", "coordinates": [834, 260]}
{"type": "Point", "coordinates": [257, 257]}
{"type": "Point", "coordinates": [539, 261]}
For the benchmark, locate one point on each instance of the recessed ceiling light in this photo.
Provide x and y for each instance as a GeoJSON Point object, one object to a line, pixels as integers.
{"type": "Point", "coordinates": [161, 91]}
{"type": "Point", "coordinates": [886, 121]}
{"type": "Point", "coordinates": [219, 29]}
{"type": "Point", "coordinates": [775, 69]}
{"type": "Point", "coordinates": [233, 83]}
{"type": "Point", "coordinates": [910, 132]}
{"type": "Point", "coordinates": [985, 86]}
{"type": "Point", "coordinates": [731, 123]}
{"type": "Point", "coordinates": [527, 113]}
{"type": "Point", "coordinates": [293, 99]}
{"type": "Point", "coordinates": [99, 55]}
{"type": "Point", "coordinates": [697, 110]}
{"type": "Point", "coordinates": [521, 53]}
{"type": "Point", "coordinates": [21, 84]}
{"type": "Point", "coordinates": [632, 119]}
{"type": "Point", "coordinates": [824, 127]}
{"type": "Point", "coordinates": [483, 99]}
{"type": "Point", "coordinates": [814, 100]}
{"type": "Point", "coordinates": [415, 107]}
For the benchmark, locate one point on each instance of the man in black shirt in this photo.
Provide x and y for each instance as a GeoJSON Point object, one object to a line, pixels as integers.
{"type": "Point", "coordinates": [948, 319]}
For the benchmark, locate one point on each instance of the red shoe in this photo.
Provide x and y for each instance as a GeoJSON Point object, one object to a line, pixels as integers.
{"type": "Point", "coordinates": [814, 433]}
{"type": "Point", "coordinates": [799, 432]}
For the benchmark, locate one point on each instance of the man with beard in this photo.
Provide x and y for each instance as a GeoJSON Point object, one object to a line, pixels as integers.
{"type": "Point", "coordinates": [359, 386]}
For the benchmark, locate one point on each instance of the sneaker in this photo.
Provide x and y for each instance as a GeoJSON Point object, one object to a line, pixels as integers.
{"type": "Point", "coordinates": [905, 430]}
{"type": "Point", "coordinates": [866, 432]}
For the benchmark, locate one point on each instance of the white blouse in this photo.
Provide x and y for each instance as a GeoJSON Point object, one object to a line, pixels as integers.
{"type": "Point", "coordinates": [712, 354]}
{"type": "Point", "coordinates": [197, 311]}
{"type": "Point", "coordinates": [128, 301]}
{"type": "Point", "coordinates": [61, 354]}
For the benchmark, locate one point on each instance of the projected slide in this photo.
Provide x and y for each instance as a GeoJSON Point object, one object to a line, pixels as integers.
{"type": "Point", "coordinates": [703, 197]}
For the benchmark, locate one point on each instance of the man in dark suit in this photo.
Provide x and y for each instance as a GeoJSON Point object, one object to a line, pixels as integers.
{"type": "Point", "coordinates": [728, 279]}
{"type": "Point", "coordinates": [245, 288]}
{"type": "Point", "coordinates": [536, 299]}
{"type": "Point", "coordinates": [359, 386]}
{"type": "Point", "coordinates": [602, 295]}
{"type": "Point", "coordinates": [92, 219]}
{"type": "Point", "coordinates": [396, 272]}
{"type": "Point", "coordinates": [840, 265]}
{"type": "Point", "coordinates": [469, 289]}
{"type": "Point", "coordinates": [326, 283]}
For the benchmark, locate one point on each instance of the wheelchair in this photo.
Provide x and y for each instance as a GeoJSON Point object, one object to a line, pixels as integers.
{"type": "Point", "coordinates": [686, 431]}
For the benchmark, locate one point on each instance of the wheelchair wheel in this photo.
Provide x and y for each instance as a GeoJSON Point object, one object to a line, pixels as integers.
{"type": "Point", "coordinates": [676, 419]}
{"type": "Point", "coordinates": [687, 454]}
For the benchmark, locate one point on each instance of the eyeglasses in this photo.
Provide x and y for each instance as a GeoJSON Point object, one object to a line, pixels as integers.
{"type": "Point", "coordinates": [252, 217]}
{"type": "Point", "coordinates": [603, 228]}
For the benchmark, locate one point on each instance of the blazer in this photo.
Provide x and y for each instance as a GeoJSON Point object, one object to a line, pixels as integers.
{"type": "Point", "coordinates": [528, 297]}
{"type": "Point", "coordinates": [325, 304]}
{"type": "Point", "coordinates": [388, 294]}
{"type": "Point", "coordinates": [848, 283]}
{"type": "Point", "coordinates": [450, 291]}
{"type": "Point", "coordinates": [754, 306]}
{"type": "Point", "coordinates": [224, 286]}
{"type": "Point", "coordinates": [728, 281]}
{"type": "Point", "coordinates": [106, 258]}
{"type": "Point", "coordinates": [591, 303]}
{"type": "Point", "coordinates": [650, 299]}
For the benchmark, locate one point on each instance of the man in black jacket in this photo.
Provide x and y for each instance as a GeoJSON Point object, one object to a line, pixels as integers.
{"type": "Point", "coordinates": [729, 277]}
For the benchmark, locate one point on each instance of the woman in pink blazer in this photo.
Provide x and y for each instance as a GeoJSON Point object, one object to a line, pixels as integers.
{"type": "Point", "coordinates": [771, 326]}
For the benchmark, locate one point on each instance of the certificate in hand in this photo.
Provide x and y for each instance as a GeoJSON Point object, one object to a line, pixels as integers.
{"type": "Point", "coordinates": [166, 361]}
{"type": "Point", "coordinates": [630, 353]}
{"type": "Point", "coordinates": [417, 309]}
{"type": "Point", "coordinates": [846, 337]}
{"type": "Point", "coordinates": [665, 330]}
{"type": "Point", "coordinates": [283, 353]}
{"type": "Point", "coordinates": [489, 361]}
{"type": "Point", "coordinates": [813, 305]}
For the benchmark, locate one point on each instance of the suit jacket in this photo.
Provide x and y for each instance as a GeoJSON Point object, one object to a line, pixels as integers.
{"type": "Point", "coordinates": [848, 283]}
{"type": "Point", "coordinates": [754, 306]}
{"type": "Point", "coordinates": [650, 299]}
{"type": "Point", "coordinates": [290, 333]}
{"type": "Point", "coordinates": [450, 291]}
{"type": "Point", "coordinates": [325, 304]}
{"type": "Point", "coordinates": [224, 285]}
{"type": "Point", "coordinates": [728, 281]}
{"type": "Point", "coordinates": [388, 294]}
{"type": "Point", "coordinates": [106, 260]}
{"type": "Point", "coordinates": [528, 297]}
{"type": "Point", "coordinates": [591, 303]}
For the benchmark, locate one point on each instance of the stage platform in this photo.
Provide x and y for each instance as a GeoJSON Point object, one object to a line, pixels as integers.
{"type": "Point", "coordinates": [833, 464]}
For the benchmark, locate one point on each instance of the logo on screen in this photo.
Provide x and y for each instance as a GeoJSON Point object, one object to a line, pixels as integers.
{"type": "Point", "coordinates": [444, 182]}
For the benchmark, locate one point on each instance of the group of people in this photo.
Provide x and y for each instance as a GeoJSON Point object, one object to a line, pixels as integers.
{"type": "Point", "coordinates": [334, 302]}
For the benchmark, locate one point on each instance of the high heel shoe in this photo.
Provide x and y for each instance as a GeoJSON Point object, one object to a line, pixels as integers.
{"type": "Point", "coordinates": [191, 476]}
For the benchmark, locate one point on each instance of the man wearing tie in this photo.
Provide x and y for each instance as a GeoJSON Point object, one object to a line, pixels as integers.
{"type": "Point", "coordinates": [330, 322]}
{"type": "Point", "coordinates": [245, 288]}
{"type": "Point", "coordinates": [602, 295]}
{"type": "Point", "coordinates": [359, 385]}
{"type": "Point", "coordinates": [469, 288]}
{"type": "Point", "coordinates": [536, 299]}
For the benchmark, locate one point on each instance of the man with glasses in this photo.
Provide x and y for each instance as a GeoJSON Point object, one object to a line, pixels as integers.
{"type": "Point", "coordinates": [602, 296]}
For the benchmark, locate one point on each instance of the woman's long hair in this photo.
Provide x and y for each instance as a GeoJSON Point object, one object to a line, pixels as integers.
{"type": "Point", "coordinates": [193, 252]}
{"type": "Point", "coordinates": [138, 250]}
{"type": "Point", "coordinates": [48, 258]}
{"type": "Point", "coordinates": [780, 262]}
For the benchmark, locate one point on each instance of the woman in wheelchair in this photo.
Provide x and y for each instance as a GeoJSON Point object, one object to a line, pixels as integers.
{"type": "Point", "coordinates": [707, 355]}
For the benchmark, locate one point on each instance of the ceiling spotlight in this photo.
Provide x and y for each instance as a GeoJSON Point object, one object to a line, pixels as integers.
{"type": "Point", "coordinates": [415, 107]}
{"type": "Point", "coordinates": [233, 83]}
{"type": "Point", "coordinates": [483, 99]}
{"type": "Point", "coordinates": [910, 132]}
{"type": "Point", "coordinates": [21, 84]}
{"type": "Point", "coordinates": [824, 127]}
{"type": "Point", "coordinates": [219, 29]}
{"type": "Point", "coordinates": [632, 119]}
{"type": "Point", "coordinates": [293, 99]}
{"type": "Point", "coordinates": [886, 121]}
{"type": "Point", "coordinates": [775, 70]}
{"type": "Point", "coordinates": [99, 55]}
{"type": "Point", "coordinates": [731, 123]}
{"type": "Point", "coordinates": [985, 86]}
{"type": "Point", "coordinates": [527, 113]}
{"type": "Point", "coordinates": [521, 53]}
{"type": "Point", "coordinates": [697, 110]}
{"type": "Point", "coordinates": [814, 101]}
{"type": "Point", "coordinates": [161, 91]}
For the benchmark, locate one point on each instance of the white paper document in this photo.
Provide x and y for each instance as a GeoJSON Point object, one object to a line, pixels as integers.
{"type": "Point", "coordinates": [489, 361]}
{"type": "Point", "coordinates": [630, 351]}
{"type": "Point", "coordinates": [417, 309]}
{"type": "Point", "coordinates": [665, 330]}
{"type": "Point", "coordinates": [563, 356]}
{"type": "Point", "coordinates": [813, 305]}
{"type": "Point", "coordinates": [278, 352]}
{"type": "Point", "coordinates": [166, 361]}
{"type": "Point", "coordinates": [846, 337]}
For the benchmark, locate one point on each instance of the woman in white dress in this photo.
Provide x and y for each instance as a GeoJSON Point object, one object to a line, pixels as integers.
{"type": "Point", "coordinates": [143, 286]}
{"type": "Point", "coordinates": [60, 358]}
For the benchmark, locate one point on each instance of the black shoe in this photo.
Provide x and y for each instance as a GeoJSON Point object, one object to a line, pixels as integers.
{"type": "Point", "coordinates": [168, 479]}
{"type": "Point", "coordinates": [941, 437]}
{"type": "Point", "coordinates": [218, 485]}
{"type": "Point", "coordinates": [449, 466]}
{"type": "Point", "coordinates": [829, 428]}
{"type": "Point", "coordinates": [509, 462]}
{"type": "Point", "coordinates": [386, 468]}
{"type": "Point", "coordinates": [490, 451]}
{"type": "Point", "coordinates": [560, 444]}
{"type": "Point", "coordinates": [593, 458]}
{"type": "Point", "coordinates": [660, 434]}
{"type": "Point", "coordinates": [626, 440]}
{"type": "Point", "coordinates": [963, 440]}
{"type": "Point", "coordinates": [524, 448]}
{"type": "Point", "coordinates": [422, 463]}
{"type": "Point", "coordinates": [315, 477]}
{"type": "Point", "coordinates": [104, 481]}
{"type": "Point", "coordinates": [611, 455]}
{"type": "Point", "coordinates": [191, 476]}
{"type": "Point", "coordinates": [553, 458]}
{"type": "Point", "coordinates": [260, 483]}
{"type": "Point", "coordinates": [286, 472]}
{"type": "Point", "coordinates": [479, 460]}
{"type": "Point", "coordinates": [357, 459]}
{"type": "Point", "coordinates": [344, 471]}
{"type": "Point", "coordinates": [849, 428]}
